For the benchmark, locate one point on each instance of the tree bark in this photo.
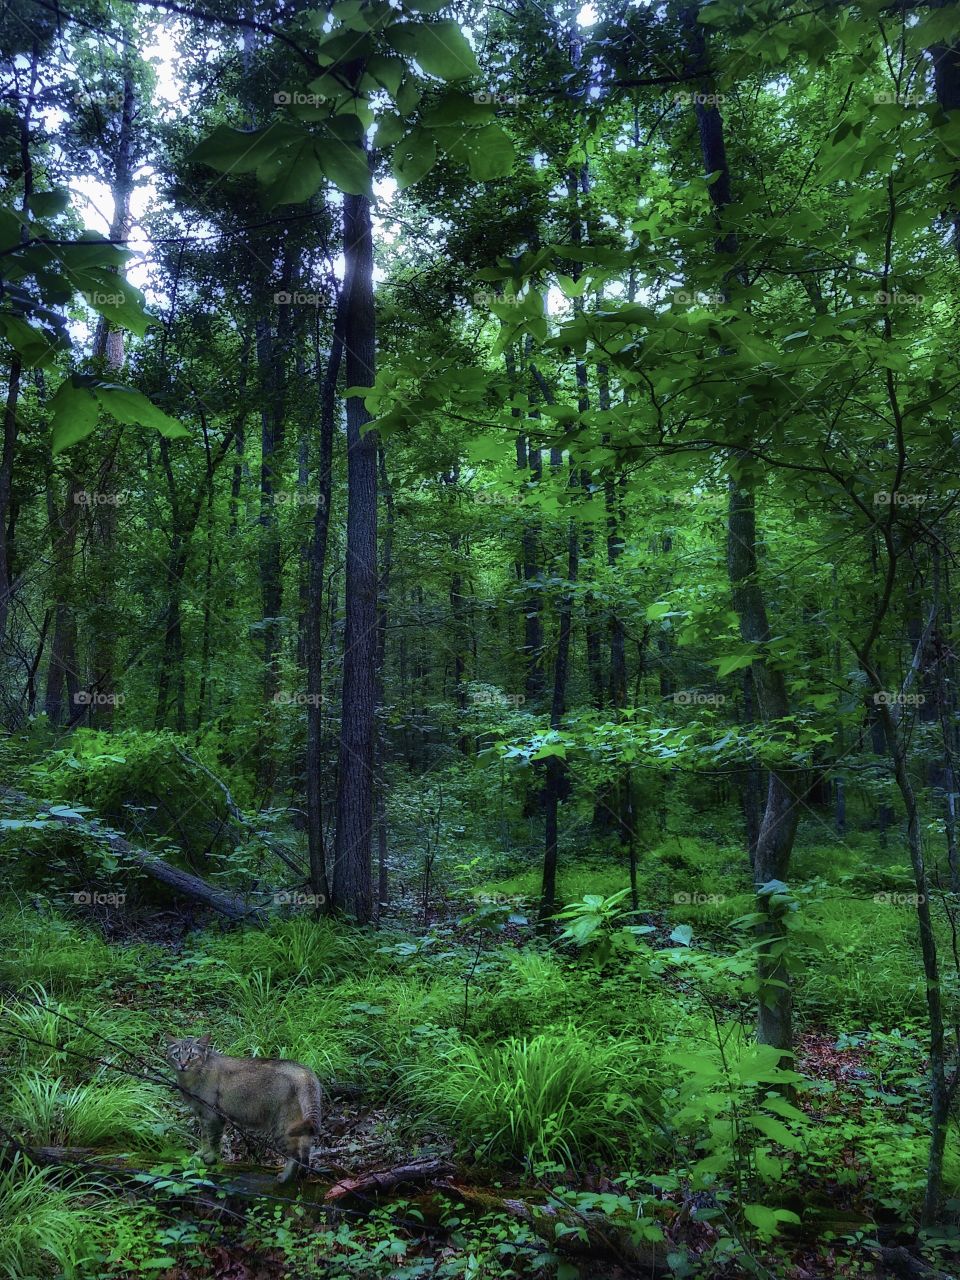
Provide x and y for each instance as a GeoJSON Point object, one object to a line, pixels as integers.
{"type": "Point", "coordinates": [352, 873]}
{"type": "Point", "coordinates": [314, 621]}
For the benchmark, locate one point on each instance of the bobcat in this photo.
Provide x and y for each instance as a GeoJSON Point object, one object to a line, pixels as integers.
{"type": "Point", "coordinates": [279, 1100]}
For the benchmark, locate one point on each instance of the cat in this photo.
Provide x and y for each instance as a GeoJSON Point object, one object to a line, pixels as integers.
{"type": "Point", "coordinates": [277, 1099]}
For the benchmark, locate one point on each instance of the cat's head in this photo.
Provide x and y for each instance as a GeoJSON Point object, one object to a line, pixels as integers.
{"type": "Point", "coordinates": [188, 1054]}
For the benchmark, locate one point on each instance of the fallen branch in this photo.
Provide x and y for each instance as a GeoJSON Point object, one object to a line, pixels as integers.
{"type": "Point", "coordinates": [231, 905]}
{"type": "Point", "coordinates": [241, 820]}
{"type": "Point", "coordinates": [378, 1180]}
{"type": "Point", "coordinates": [901, 1263]}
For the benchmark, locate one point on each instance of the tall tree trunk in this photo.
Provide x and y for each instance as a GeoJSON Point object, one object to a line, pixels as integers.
{"type": "Point", "coordinates": [10, 424]}
{"type": "Point", "coordinates": [314, 640]}
{"type": "Point", "coordinates": [272, 351]}
{"type": "Point", "coordinates": [108, 347]}
{"type": "Point", "coordinates": [352, 875]}
{"type": "Point", "coordinates": [556, 772]}
{"type": "Point", "coordinates": [383, 613]}
{"type": "Point", "coordinates": [781, 812]}
{"type": "Point", "coordinates": [6, 487]}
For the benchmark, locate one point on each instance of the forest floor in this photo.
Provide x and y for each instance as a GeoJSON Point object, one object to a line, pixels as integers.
{"type": "Point", "coordinates": [595, 1106]}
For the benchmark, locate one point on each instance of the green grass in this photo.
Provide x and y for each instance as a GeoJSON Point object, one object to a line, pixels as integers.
{"type": "Point", "coordinates": [48, 1230]}
{"type": "Point", "coordinates": [64, 956]}
{"type": "Point", "coordinates": [560, 1095]}
{"type": "Point", "coordinates": [862, 965]}
{"type": "Point", "coordinates": [101, 1113]}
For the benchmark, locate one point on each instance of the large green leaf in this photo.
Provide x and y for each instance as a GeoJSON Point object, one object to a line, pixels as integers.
{"type": "Point", "coordinates": [237, 151]}
{"type": "Point", "coordinates": [346, 165]}
{"type": "Point", "coordinates": [292, 175]}
{"type": "Point", "coordinates": [413, 156]}
{"type": "Point", "coordinates": [439, 47]}
{"type": "Point", "coordinates": [134, 409]}
{"type": "Point", "coordinates": [75, 413]}
{"type": "Point", "coordinates": [491, 153]}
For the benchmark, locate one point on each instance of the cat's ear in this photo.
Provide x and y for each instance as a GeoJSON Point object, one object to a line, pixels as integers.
{"type": "Point", "coordinates": [204, 1041]}
{"type": "Point", "coordinates": [169, 1038]}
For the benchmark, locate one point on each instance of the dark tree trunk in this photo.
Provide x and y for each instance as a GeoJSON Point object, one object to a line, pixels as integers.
{"type": "Point", "coordinates": [383, 613]}
{"type": "Point", "coordinates": [352, 876]}
{"type": "Point", "coordinates": [784, 793]}
{"type": "Point", "coordinates": [6, 488]}
{"type": "Point", "coordinates": [314, 620]}
{"type": "Point", "coordinates": [556, 771]}
{"type": "Point", "coordinates": [271, 357]}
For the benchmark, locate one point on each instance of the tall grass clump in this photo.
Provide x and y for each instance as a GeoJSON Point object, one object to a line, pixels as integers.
{"type": "Point", "coordinates": [297, 948]}
{"type": "Point", "coordinates": [51, 1112]}
{"type": "Point", "coordinates": [46, 1230]}
{"type": "Point", "coordinates": [561, 1095]}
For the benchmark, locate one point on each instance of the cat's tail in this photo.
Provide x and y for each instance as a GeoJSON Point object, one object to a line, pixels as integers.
{"type": "Point", "coordinates": [311, 1104]}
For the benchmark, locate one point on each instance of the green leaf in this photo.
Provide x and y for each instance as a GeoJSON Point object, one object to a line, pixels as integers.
{"type": "Point", "coordinates": [36, 346]}
{"type": "Point", "coordinates": [733, 662]}
{"type": "Point", "coordinates": [439, 47]}
{"type": "Point", "coordinates": [45, 204]}
{"type": "Point", "coordinates": [683, 934]}
{"type": "Point", "coordinates": [491, 154]}
{"type": "Point", "coordinates": [346, 166]}
{"type": "Point", "coordinates": [776, 1130]}
{"type": "Point", "coordinates": [75, 413]}
{"type": "Point", "coordinates": [134, 409]}
{"type": "Point", "coordinates": [293, 174]}
{"type": "Point", "coordinates": [238, 151]}
{"type": "Point", "coordinates": [413, 157]}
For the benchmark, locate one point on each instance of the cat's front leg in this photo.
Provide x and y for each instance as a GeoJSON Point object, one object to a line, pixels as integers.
{"type": "Point", "coordinates": [211, 1131]}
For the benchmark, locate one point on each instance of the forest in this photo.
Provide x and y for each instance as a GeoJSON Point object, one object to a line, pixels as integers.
{"type": "Point", "coordinates": [479, 676]}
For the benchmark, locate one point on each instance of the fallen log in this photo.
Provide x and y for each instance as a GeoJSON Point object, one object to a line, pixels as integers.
{"type": "Point", "coordinates": [377, 1180]}
{"type": "Point", "coordinates": [899, 1262]}
{"type": "Point", "coordinates": [232, 906]}
{"type": "Point", "coordinates": [578, 1235]}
